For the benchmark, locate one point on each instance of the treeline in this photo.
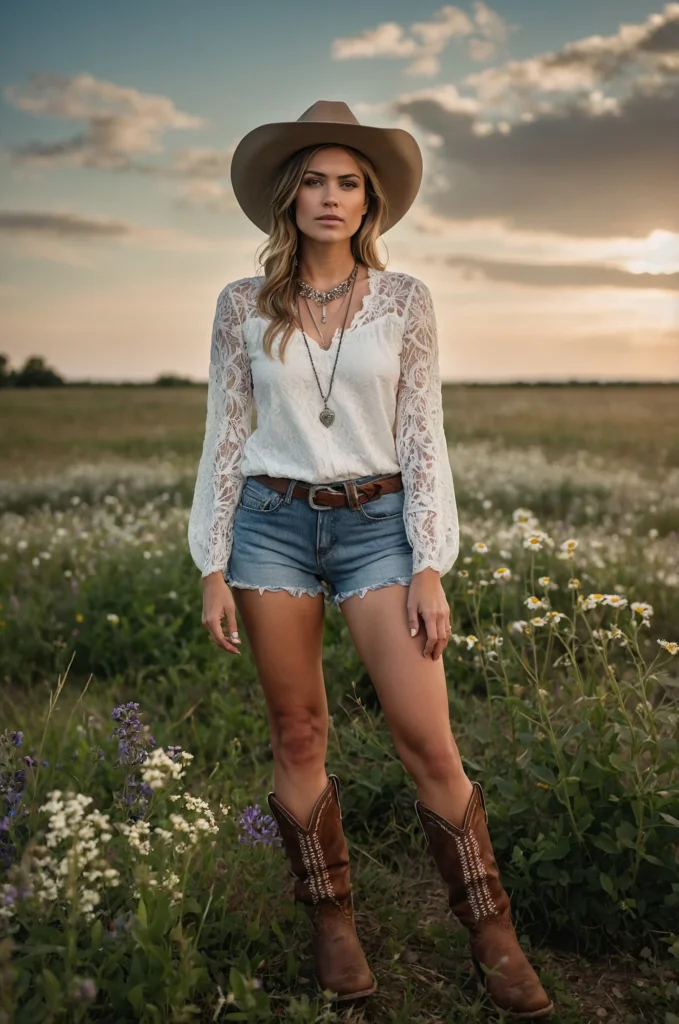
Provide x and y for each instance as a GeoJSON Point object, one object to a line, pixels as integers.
{"type": "Point", "coordinates": [35, 373]}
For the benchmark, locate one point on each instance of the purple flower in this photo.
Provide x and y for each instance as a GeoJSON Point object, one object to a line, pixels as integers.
{"type": "Point", "coordinates": [131, 735]}
{"type": "Point", "coordinates": [16, 738]}
{"type": "Point", "coordinates": [30, 762]}
{"type": "Point", "coordinates": [258, 828]}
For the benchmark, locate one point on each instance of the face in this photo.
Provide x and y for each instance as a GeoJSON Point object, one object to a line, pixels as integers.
{"type": "Point", "coordinates": [332, 186]}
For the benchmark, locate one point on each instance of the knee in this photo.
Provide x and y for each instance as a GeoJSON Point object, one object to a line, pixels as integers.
{"type": "Point", "coordinates": [299, 737]}
{"type": "Point", "coordinates": [437, 761]}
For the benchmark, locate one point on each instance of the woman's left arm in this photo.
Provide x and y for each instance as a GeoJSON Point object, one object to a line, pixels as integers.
{"type": "Point", "coordinates": [430, 509]}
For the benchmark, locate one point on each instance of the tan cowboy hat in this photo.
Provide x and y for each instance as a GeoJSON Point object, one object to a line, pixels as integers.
{"type": "Point", "coordinates": [393, 152]}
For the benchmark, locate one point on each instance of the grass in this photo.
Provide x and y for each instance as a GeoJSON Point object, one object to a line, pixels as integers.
{"type": "Point", "coordinates": [55, 428]}
{"type": "Point", "coordinates": [573, 735]}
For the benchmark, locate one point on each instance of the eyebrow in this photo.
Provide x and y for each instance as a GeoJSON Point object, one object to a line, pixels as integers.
{"type": "Point", "coordinates": [320, 174]}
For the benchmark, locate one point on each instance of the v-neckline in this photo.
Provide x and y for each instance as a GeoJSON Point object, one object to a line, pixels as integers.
{"type": "Point", "coordinates": [355, 320]}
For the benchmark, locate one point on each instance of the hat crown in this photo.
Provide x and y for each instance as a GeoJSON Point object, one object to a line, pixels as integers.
{"type": "Point", "coordinates": [329, 110]}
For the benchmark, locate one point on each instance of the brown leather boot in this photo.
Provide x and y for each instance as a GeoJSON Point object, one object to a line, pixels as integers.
{"type": "Point", "coordinates": [319, 859]}
{"type": "Point", "coordinates": [465, 859]}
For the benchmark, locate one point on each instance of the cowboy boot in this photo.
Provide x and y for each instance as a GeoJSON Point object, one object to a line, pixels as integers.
{"type": "Point", "coordinates": [464, 857]}
{"type": "Point", "coordinates": [319, 859]}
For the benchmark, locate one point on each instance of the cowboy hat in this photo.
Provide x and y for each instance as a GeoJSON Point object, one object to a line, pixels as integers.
{"type": "Point", "coordinates": [393, 152]}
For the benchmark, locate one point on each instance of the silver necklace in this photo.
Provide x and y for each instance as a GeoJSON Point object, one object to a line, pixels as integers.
{"type": "Point", "coordinates": [327, 416]}
{"type": "Point", "coordinates": [323, 298]}
{"type": "Point", "coordinates": [320, 333]}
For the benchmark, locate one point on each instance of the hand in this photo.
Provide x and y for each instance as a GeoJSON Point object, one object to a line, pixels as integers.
{"type": "Point", "coordinates": [427, 598]}
{"type": "Point", "coordinates": [218, 603]}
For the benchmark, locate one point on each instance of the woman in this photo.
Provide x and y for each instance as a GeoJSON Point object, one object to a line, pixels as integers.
{"type": "Point", "coordinates": [344, 491]}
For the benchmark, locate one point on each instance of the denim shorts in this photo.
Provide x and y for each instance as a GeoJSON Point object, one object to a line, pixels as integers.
{"type": "Point", "coordinates": [282, 543]}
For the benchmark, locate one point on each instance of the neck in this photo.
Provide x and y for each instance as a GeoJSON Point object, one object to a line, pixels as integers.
{"type": "Point", "coordinates": [324, 266]}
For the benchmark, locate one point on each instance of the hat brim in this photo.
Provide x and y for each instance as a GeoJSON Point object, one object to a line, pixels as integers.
{"type": "Point", "coordinates": [393, 152]}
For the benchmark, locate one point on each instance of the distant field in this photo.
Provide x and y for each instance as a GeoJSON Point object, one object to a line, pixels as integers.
{"type": "Point", "coordinates": [50, 429]}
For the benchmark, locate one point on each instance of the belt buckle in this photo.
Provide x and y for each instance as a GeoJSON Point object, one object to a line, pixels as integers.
{"type": "Point", "coordinates": [319, 487]}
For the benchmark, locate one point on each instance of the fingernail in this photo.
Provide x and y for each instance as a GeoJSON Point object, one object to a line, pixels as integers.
{"type": "Point", "coordinates": [413, 631]}
{"type": "Point", "coordinates": [234, 636]}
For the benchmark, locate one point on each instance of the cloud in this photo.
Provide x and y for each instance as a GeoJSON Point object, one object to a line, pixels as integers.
{"type": "Point", "coordinates": [559, 275]}
{"type": "Point", "coordinates": [68, 238]}
{"type": "Point", "coordinates": [123, 129]}
{"type": "Point", "coordinates": [584, 163]}
{"type": "Point", "coordinates": [424, 41]}
{"type": "Point", "coordinates": [121, 124]}
{"type": "Point", "coordinates": [631, 53]}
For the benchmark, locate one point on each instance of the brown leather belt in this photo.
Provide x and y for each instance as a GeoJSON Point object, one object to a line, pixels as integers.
{"type": "Point", "coordinates": [324, 495]}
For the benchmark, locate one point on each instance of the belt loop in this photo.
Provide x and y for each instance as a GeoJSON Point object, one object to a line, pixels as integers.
{"type": "Point", "coordinates": [352, 495]}
{"type": "Point", "coordinates": [288, 493]}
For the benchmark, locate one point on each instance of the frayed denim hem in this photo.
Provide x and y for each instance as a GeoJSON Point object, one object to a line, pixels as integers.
{"type": "Point", "coordinates": [362, 591]}
{"type": "Point", "coordinates": [295, 591]}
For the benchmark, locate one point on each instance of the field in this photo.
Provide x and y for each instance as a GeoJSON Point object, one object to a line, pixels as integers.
{"type": "Point", "coordinates": [141, 880]}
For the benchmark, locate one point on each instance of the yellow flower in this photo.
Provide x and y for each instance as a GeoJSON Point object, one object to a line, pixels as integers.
{"type": "Point", "coordinates": [79, 617]}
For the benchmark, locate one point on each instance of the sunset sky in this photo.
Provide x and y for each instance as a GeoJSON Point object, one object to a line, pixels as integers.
{"type": "Point", "coordinates": [547, 225]}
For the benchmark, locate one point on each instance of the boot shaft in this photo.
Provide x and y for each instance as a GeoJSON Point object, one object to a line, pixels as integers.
{"type": "Point", "coordinates": [466, 862]}
{"type": "Point", "coordinates": [318, 854]}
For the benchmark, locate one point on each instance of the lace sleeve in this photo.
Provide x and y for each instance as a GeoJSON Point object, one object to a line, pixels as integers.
{"type": "Point", "coordinates": [430, 509]}
{"type": "Point", "coordinates": [227, 426]}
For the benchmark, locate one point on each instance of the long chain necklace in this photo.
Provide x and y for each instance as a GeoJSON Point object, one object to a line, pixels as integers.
{"type": "Point", "coordinates": [327, 416]}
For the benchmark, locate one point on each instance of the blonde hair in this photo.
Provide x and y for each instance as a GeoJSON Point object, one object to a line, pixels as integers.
{"type": "Point", "coordinates": [277, 297]}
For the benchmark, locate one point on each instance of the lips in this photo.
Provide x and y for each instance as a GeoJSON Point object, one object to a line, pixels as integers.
{"type": "Point", "coordinates": [337, 220]}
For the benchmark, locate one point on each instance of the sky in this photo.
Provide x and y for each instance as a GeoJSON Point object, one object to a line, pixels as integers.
{"type": "Point", "coordinates": [546, 226]}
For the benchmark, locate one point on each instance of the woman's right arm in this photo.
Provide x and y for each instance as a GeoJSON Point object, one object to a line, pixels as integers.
{"type": "Point", "coordinates": [219, 482]}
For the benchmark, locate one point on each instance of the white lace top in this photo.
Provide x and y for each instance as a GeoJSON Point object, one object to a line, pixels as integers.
{"type": "Point", "coordinates": [386, 396]}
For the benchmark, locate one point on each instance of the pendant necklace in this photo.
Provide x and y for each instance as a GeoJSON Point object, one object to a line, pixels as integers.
{"type": "Point", "coordinates": [327, 416]}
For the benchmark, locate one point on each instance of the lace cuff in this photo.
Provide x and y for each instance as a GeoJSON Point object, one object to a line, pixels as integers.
{"type": "Point", "coordinates": [227, 427]}
{"type": "Point", "coordinates": [430, 509]}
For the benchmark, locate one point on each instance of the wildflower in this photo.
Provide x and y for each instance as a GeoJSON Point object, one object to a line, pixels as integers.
{"type": "Point", "coordinates": [543, 693]}
{"type": "Point", "coordinates": [670, 647]}
{"type": "Point", "coordinates": [160, 768]}
{"type": "Point", "coordinates": [463, 572]}
{"type": "Point", "coordinates": [544, 581]}
{"type": "Point", "coordinates": [554, 617]}
{"type": "Point", "coordinates": [257, 827]}
{"type": "Point", "coordinates": [522, 515]}
{"type": "Point", "coordinates": [471, 641]}
{"type": "Point", "coordinates": [503, 573]}
{"type": "Point", "coordinates": [133, 738]}
{"type": "Point", "coordinates": [642, 608]}
{"type": "Point", "coordinates": [480, 547]}
{"type": "Point", "coordinates": [591, 601]}
{"type": "Point", "coordinates": [569, 546]}
{"type": "Point", "coordinates": [574, 583]}
{"type": "Point", "coordinates": [615, 601]}
{"type": "Point", "coordinates": [538, 622]}
{"type": "Point", "coordinates": [112, 617]}
{"type": "Point", "coordinates": [535, 602]}
{"type": "Point", "coordinates": [534, 542]}
{"type": "Point", "coordinates": [79, 617]}
{"type": "Point", "coordinates": [519, 626]}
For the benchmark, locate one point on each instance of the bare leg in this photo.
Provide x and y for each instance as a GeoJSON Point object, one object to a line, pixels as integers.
{"type": "Point", "coordinates": [412, 692]}
{"type": "Point", "coordinates": [285, 634]}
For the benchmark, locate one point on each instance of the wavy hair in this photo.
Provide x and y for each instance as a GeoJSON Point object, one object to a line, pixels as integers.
{"type": "Point", "coordinates": [276, 300]}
